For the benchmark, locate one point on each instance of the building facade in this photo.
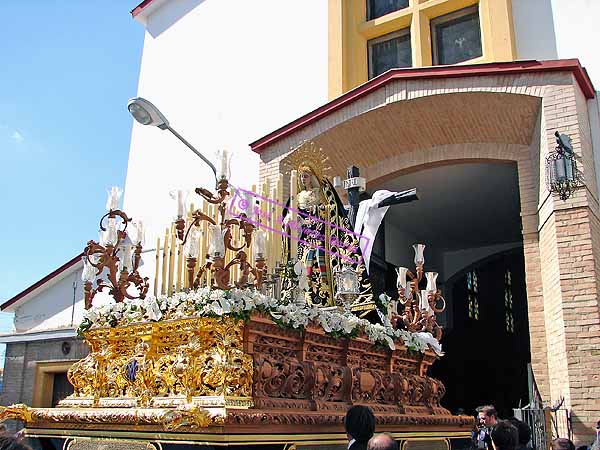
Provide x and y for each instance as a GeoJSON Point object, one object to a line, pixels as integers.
{"type": "Point", "coordinates": [44, 342]}
{"type": "Point", "coordinates": [459, 98]}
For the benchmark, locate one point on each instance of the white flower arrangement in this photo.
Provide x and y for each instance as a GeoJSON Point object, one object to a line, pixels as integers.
{"type": "Point", "coordinates": [239, 303]}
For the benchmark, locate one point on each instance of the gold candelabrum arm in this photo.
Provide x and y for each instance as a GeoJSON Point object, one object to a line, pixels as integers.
{"type": "Point", "coordinates": [216, 265]}
{"type": "Point", "coordinates": [106, 259]}
{"type": "Point", "coordinates": [413, 317]}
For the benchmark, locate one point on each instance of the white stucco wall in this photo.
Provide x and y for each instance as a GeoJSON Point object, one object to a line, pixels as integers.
{"type": "Point", "coordinates": [534, 38]}
{"type": "Point", "coordinates": [53, 307]}
{"type": "Point", "coordinates": [551, 29]}
{"type": "Point", "coordinates": [224, 73]}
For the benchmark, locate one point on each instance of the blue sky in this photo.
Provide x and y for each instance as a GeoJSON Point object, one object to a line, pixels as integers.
{"type": "Point", "coordinates": [68, 69]}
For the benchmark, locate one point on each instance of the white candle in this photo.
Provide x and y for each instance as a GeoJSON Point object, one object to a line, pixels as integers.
{"type": "Point", "coordinates": [248, 203]}
{"type": "Point", "coordinates": [294, 215]}
{"type": "Point", "coordinates": [424, 303]}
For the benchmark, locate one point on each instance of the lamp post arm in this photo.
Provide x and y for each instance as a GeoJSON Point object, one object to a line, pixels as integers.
{"type": "Point", "coordinates": [182, 139]}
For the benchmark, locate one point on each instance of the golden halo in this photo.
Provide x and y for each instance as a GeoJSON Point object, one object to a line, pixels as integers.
{"type": "Point", "coordinates": [309, 155]}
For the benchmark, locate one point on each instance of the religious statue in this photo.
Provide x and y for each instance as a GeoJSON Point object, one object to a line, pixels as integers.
{"type": "Point", "coordinates": [325, 239]}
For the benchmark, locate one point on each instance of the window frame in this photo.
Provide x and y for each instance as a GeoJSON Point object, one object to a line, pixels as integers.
{"type": "Point", "coordinates": [369, 17]}
{"type": "Point", "coordinates": [435, 22]}
{"type": "Point", "coordinates": [383, 38]}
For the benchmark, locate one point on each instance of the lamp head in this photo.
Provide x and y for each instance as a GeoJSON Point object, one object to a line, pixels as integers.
{"type": "Point", "coordinates": [146, 113]}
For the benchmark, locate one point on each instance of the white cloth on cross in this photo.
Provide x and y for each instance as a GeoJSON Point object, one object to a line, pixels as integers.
{"type": "Point", "coordinates": [368, 221]}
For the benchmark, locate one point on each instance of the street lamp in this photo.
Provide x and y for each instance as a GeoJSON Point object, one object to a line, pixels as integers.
{"type": "Point", "coordinates": [146, 113]}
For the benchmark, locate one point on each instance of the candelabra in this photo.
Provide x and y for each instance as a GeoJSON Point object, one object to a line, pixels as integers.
{"type": "Point", "coordinates": [220, 233]}
{"type": "Point", "coordinates": [115, 259]}
{"type": "Point", "coordinates": [420, 306]}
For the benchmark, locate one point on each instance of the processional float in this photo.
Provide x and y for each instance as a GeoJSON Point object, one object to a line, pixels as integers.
{"type": "Point", "coordinates": [260, 338]}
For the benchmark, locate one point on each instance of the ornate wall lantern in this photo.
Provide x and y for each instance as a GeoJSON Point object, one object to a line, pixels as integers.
{"type": "Point", "coordinates": [562, 175]}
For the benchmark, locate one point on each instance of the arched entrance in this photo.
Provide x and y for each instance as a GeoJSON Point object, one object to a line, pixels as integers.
{"type": "Point", "coordinates": [468, 215]}
{"type": "Point", "coordinates": [471, 156]}
{"type": "Point", "coordinates": [487, 345]}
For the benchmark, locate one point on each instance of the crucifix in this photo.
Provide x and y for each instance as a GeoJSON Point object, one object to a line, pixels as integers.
{"type": "Point", "coordinates": [355, 184]}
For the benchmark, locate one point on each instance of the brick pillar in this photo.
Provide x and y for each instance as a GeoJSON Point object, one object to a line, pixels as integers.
{"type": "Point", "coordinates": [576, 319]}
{"type": "Point", "coordinates": [535, 312]}
{"type": "Point", "coordinates": [570, 262]}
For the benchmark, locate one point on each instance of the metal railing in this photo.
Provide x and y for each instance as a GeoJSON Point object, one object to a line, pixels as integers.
{"type": "Point", "coordinates": [545, 424]}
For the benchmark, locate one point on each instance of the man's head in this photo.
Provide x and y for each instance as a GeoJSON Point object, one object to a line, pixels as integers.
{"type": "Point", "coordinates": [562, 444]}
{"type": "Point", "coordinates": [505, 436]}
{"type": "Point", "coordinates": [382, 442]}
{"type": "Point", "coordinates": [360, 423]}
{"type": "Point", "coordinates": [523, 429]}
{"type": "Point", "coordinates": [487, 416]}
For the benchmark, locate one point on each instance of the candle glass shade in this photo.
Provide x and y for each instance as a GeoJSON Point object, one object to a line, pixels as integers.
{"type": "Point", "coordinates": [112, 202]}
{"type": "Point", "coordinates": [180, 197]}
{"type": "Point", "coordinates": [126, 262]}
{"type": "Point", "coordinates": [192, 245]}
{"type": "Point", "coordinates": [216, 247]}
{"type": "Point", "coordinates": [139, 233]}
{"type": "Point", "coordinates": [258, 245]}
{"type": "Point", "coordinates": [419, 256]}
{"type": "Point", "coordinates": [223, 164]}
{"type": "Point", "coordinates": [431, 278]}
{"type": "Point", "coordinates": [401, 278]}
{"type": "Point", "coordinates": [110, 235]}
{"type": "Point", "coordinates": [89, 271]}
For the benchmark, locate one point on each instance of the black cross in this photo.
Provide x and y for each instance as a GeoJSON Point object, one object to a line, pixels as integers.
{"type": "Point", "coordinates": [354, 196]}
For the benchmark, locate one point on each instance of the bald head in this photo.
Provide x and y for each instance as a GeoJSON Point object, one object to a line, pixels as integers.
{"type": "Point", "coordinates": [382, 442]}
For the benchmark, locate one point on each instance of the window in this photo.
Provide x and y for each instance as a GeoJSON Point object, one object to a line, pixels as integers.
{"type": "Point", "coordinates": [456, 37]}
{"type": "Point", "coordinates": [378, 8]}
{"type": "Point", "coordinates": [473, 294]}
{"type": "Point", "coordinates": [508, 302]}
{"type": "Point", "coordinates": [389, 51]}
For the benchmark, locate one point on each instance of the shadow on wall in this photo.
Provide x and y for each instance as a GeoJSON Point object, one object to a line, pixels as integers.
{"type": "Point", "coordinates": [169, 15]}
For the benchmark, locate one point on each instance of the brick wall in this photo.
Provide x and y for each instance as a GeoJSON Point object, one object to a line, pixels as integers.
{"type": "Point", "coordinates": [561, 239]}
{"type": "Point", "coordinates": [21, 358]}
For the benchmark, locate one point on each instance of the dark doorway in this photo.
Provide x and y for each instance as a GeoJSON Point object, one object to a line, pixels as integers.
{"type": "Point", "coordinates": [487, 348]}
{"type": "Point", "coordinates": [61, 388]}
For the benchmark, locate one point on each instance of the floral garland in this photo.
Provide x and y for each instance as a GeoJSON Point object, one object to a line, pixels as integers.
{"type": "Point", "coordinates": [240, 303]}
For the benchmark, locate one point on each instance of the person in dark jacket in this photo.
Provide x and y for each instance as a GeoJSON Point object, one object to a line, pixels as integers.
{"type": "Point", "coordinates": [360, 426]}
{"type": "Point", "coordinates": [524, 432]}
{"type": "Point", "coordinates": [504, 436]}
{"type": "Point", "coordinates": [11, 443]}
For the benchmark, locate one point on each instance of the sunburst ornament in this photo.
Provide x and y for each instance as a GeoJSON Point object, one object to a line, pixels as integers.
{"type": "Point", "coordinates": [307, 154]}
